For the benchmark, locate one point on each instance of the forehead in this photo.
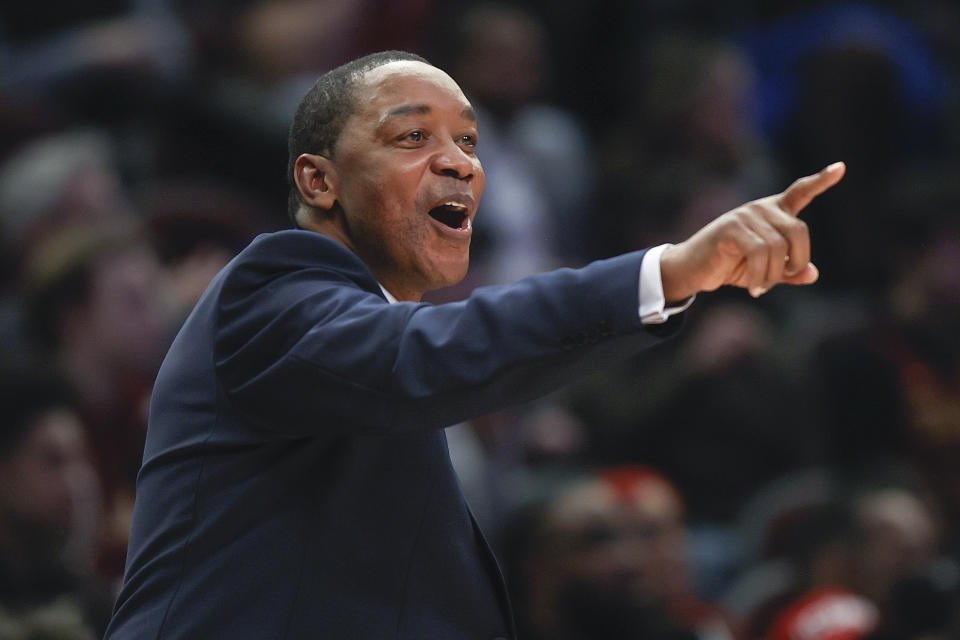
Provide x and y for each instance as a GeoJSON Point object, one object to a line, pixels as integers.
{"type": "Point", "coordinates": [407, 82]}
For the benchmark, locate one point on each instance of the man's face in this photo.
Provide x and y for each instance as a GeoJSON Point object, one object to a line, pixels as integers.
{"type": "Point", "coordinates": [121, 315]}
{"type": "Point", "coordinates": [41, 480]}
{"type": "Point", "coordinates": [629, 542]}
{"type": "Point", "coordinates": [408, 179]}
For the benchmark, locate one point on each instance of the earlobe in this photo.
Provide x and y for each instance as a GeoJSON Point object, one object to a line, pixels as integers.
{"type": "Point", "coordinates": [315, 178]}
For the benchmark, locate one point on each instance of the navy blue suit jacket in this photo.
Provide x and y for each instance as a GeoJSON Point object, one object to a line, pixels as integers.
{"type": "Point", "coordinates": [295, 481]}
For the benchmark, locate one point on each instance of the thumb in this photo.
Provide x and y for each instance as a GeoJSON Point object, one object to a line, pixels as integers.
{"type": "Point", "coordinates": [807, 275]}
{"type": "Point", "coordinates": [799, 194]}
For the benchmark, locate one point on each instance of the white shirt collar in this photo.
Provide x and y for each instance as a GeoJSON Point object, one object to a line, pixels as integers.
{"type": "Point", "coordinates": [387, 294]}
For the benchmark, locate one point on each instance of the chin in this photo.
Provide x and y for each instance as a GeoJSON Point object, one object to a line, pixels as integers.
{"type": "Point", "coordinates": [449, 274]}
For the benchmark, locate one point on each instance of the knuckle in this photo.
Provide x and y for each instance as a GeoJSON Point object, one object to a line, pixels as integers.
{"type": "Point", "coordinates": [725, 221]}
{"type": "Point", "coordinates": [799, 235]}
{"type": "Point", "coordinates": [755, 246]}
{"type": "Point", "coordinates": [787, 225]}
{"type": "Point", "coordinates": [745, 216]}
{"type": "Point", "coordinates": [733, 225]}
{"type": "Point", "coordinates": [798, 185]}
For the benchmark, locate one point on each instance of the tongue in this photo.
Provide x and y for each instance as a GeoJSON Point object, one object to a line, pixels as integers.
{"type": "Point", "coordinates": [448, 216]}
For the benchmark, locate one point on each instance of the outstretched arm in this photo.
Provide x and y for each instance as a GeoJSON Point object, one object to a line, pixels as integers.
{"type": "Point", "coordinates": [755, 246]}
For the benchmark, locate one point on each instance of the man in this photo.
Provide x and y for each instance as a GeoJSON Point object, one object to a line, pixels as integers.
{"type": "Point", "coordinates": [295, 481]}
{"type": "Point", "coordinates": [48, 493]}
{"type": "Point", "coordinates": [95, 303]}
{"type": "Point", "coordinates": [862, 568]}
{"type": "Point", "coordinates": [603, 556]}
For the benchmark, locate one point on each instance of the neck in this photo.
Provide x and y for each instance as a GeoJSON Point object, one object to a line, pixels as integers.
{"type": "Point", "coordinates": [400, 293]}
{"type": "Point", "coordinates": [328, 225]}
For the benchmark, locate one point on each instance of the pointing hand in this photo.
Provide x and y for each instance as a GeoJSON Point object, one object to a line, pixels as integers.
{"type": "Point", "coordinates": [755, 246]}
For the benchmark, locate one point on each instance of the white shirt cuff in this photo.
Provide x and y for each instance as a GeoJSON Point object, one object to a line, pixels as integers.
{"type": "Point", "coordinates": [653, 306]}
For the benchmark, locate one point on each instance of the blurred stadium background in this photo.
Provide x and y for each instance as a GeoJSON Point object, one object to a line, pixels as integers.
{"type": "Point", "coordinates": [791, 469]}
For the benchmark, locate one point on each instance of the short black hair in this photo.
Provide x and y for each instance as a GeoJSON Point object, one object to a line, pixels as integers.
{"type": "Point", "coordinates": [27, 391]}
{"type": "Point", "coordinates": [322, 113]}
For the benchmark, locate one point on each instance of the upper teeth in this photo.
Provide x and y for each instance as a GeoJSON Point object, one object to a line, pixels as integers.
{"type": "Point", "coordinates": [454, 205]}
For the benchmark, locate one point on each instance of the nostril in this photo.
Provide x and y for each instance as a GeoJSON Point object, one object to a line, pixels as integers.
{"type": "Point", "coordinates": [453, 173]}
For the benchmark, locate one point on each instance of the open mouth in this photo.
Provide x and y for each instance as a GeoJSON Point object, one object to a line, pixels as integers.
{"type": "Point", "coordinates": [451, 214]}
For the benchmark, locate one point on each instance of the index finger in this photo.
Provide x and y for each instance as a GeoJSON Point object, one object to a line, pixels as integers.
{"type": "Point", "coordinates": [799, 194]}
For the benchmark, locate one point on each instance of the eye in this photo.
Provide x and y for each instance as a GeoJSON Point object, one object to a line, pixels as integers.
{"type": "Point", "coordinates": [415, 136]}
{"type": "Point", "coordinates": [467, 140]}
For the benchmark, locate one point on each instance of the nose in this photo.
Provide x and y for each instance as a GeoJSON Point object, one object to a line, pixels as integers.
{"type": "Point", "coordinates": [453, 161]}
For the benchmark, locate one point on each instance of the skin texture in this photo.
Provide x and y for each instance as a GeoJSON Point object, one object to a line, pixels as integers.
{"type": "Point", "coordinates": [755, 246]}
{"type": "Point", "coordinates": [409, 146]}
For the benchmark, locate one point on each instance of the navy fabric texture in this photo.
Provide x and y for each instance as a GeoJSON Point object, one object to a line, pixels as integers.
{"type": "Point", "coordinates": [296, 482]}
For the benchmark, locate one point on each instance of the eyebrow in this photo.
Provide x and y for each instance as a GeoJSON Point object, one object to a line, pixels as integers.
{"type": "Point", "coordinates": [423, 109]}
{"type": "Point", "coordinates": [406, 109]}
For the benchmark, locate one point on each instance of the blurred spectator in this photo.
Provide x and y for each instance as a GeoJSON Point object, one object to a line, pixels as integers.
{"type": "Point", "coordinates": [783, 52]}
{"type": "Point", "coordinates": [48, 497]}
{"type": "Point", "coordinates": [196, 227]}
{"type": "Point", "coordinates": [693, 419]}
{"type": "Point", "coordinates": [766, 526]}
{"type": "Point", "coordinates": [535, 154]}
{"type": "Point", "coordinates": [95, 303]}
{"type": "Point", "coordinates": [855, 562]}
{"type": "Point", "coordinates": [23, 120]}
{"type": "Point", "coordinates": [274, 41]}
{"type": "Point", "coordinates": [183, 108]}
{"type": "Point", "coordinates": [685, 148]}
{"type": "Point", "coordinates": [256, 59]}
{"type": "Point", "coordinates": [605, 558]}
{"type": "Point", "coordinates": [68, 178]}
{"type": "Point", "coordinates": [74, 50]}
{"type": "Point", "coordinates": [852, 81]}
{"type": "Point", "coordinates": [267, 55]}
{"type": "Point", "coordinates": [500, 458]}
{"type": "Point", "coordinates": [827, 613]}
{"type": "Point", "coordinates": [890, 383]}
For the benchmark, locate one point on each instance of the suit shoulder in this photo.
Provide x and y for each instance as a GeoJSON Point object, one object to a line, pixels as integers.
{"type": "Point", "coordinates": [296, 246]}
{"type": "Point", "coordinates": [271, 255]}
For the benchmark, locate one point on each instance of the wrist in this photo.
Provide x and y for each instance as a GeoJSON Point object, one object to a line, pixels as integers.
{"type": "Point", "coordinates": [674, 276]}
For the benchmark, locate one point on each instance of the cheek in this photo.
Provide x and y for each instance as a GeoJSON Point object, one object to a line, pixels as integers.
{"type": "Point", "coordinates": [385, 181]}
{"type": "Point", "coordinates": [371, 196]}
{"type": "Point", "coordinates": [479, 182]}
{"type": "Point", "coordinates": [379, 208]}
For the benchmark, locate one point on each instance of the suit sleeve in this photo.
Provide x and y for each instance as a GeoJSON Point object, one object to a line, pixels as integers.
{"type": "Point", "coordinates": [308, 349]}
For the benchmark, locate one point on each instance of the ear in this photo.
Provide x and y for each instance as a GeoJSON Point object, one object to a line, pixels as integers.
{"type": "Point", "coordinates": [316, 179]}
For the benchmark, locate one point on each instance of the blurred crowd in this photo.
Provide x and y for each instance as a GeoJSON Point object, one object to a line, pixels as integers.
{"type": "Point", "coordinates": [786, 469]}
